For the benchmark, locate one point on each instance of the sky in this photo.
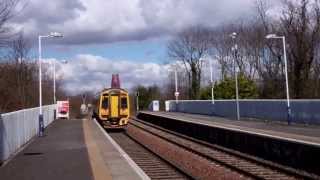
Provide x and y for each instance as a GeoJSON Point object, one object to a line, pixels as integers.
{"type": "Point", "coordinates": [128, 37]}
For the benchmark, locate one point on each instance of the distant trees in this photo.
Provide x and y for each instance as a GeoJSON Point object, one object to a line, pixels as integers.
{"type": "Point", "coordinates": [6, 12]}
{"type": "Point", "coordinates": [18, 76]}
{"type": "Point", "coordinates": [300, 22]}
{"type": "Point", "coordinates": [147, 94]}
{"type": "Point", "coordinates": [189, 47]}
{"type": "Point", "coordinates": [19, 85]}
{"type": "Point", "coordinates": [257, 59]}
{"type": "Point", "coordinates": [75, 102]}
{"type": "Point", "coordinates": [19, 52]}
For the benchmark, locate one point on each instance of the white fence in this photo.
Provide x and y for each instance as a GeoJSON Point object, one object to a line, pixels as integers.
{"type": "Point", "coordinates": [17, 128]}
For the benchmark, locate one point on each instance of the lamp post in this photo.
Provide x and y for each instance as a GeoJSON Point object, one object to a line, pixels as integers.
{"type": "Point", "coordinates": [137, 100]}
{"type": "Point", "coordinates": [176, 93]}
{"type": "Point", "coordinates": [54, 83]}
{"type": "Point", "coordinates": [212, 83]}
{"type": "Point", "coordinates": [211, 79]}
{"type": "Point", "coordinates": [41, 123]}
{"type": "Point", "coordinates": [234, 36]}
{"type": "Point", "coordinates": [274, 36]}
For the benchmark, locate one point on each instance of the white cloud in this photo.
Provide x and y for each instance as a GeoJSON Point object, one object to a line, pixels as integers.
{"type": "Point", "coordinates": [87, 72]}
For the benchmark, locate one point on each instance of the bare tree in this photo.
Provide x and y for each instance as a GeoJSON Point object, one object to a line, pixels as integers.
{"type": "Point", "coordinates": [19, 83]}
{"type": "Point", "coordinates": [6, 12]}
{"type": "Point", "coordinates": [189, 47]}
{"type": "Point", "coordinates": [221, 48]}
{"type": "Point", "coordinates": [301, 25]}
{"type": "Point", "coordinates": [19, 50]}
{"type": "Point", "coordinates": [257, 58]}
{"type": "Point", "coordinates": [248, 43]}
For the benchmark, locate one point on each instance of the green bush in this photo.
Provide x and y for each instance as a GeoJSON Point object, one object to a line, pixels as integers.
{"type": "Point", "coordinates": [225, 89]}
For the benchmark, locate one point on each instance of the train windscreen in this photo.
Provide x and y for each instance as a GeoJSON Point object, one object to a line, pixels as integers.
{"type": "Point", "coordinates": [105, 103]}
{"type": "Point", "coordinates": [124, 103]}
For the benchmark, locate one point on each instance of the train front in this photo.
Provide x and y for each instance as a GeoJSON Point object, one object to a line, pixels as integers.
{"type": "Point", "coordinates": [114, 110]}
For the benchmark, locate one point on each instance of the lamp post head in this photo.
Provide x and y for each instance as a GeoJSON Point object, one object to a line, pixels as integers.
{"type": "Point", "coordinates": [233, 35]}
{"type": "Point", "coordinates": [56, 35]}
{"type": "Point", "coordinates": [64, 62]}
{"type": "Point", "coordinates": [270, 36]}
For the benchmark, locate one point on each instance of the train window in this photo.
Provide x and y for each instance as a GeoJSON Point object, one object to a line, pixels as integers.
{"type": "Point", "coordinates": [105, 103]}
{"type": "Point", "coordinates": [124, 103]}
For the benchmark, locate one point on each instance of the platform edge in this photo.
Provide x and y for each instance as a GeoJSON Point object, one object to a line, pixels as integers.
{"type": "Point", "coordinates": [137, 169]}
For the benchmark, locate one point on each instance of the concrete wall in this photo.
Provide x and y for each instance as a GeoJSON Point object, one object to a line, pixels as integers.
{"type": "Point", "coordinates": [303, 111]}
{"type": "Point", "coordinates": [17, 128]}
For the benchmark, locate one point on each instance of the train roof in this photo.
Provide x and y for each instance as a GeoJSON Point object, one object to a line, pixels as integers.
{"type": "Point", "coordinates": [110, 89]}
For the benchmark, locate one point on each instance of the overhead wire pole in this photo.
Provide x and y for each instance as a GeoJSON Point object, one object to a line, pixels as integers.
{"type": "Point", "coordinates": [233, 36]}
{"type": "Point", "coordinates": [283, 38]}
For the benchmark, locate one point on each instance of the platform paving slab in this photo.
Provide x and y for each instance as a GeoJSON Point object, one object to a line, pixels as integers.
{"type": "Point", "coordinates": [71, 149]}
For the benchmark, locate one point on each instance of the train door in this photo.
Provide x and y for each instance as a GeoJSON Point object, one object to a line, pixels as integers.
{"type": "Point", "coordinates": [114, 106]}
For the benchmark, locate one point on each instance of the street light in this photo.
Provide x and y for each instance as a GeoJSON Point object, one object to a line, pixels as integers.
{"type": "Point", "coordinates": [41, 124]}
{"type": "Point", "coordinates": [234, 36]}
{"type": "Point", "coordinates": [274, 36]}
{"type": "Point", "coordinates": [56, 35]}
{"type": "Point", "coordinates": [176, 93]}
{"type": "Point", "coordinates": [137, 100]}
{"type": "Point", "coordinates": [211, 79]}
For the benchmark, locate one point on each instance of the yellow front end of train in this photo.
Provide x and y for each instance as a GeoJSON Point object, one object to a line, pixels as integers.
{"type": "Point", "coordinates": [113, 108]}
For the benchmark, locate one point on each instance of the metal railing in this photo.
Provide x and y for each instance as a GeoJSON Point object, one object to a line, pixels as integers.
{"type": "Point", "coordinates": [17, 128]}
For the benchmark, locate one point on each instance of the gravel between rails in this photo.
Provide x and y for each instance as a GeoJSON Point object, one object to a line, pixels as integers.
{"type": "Point", "coordinates": [152, 165]}
{"type": "Point", "coordinates": [188, 162]}
{"type": "Point", "coordinates": [201, 161]}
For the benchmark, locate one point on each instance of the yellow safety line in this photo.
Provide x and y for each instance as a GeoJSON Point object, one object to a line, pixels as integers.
{"type": "Point", "coordinates": [99, 169]}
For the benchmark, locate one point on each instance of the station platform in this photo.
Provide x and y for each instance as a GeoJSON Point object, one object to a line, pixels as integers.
{"type": "Point", "coordinates": [295, 132]}
{"type": "Point", "coordinates": [71, 149]}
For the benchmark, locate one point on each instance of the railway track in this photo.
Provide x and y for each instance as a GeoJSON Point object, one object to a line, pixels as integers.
{"type": "Point", "coordinates": [151, 164]}
{"type": "Point", "coordinates": [217, 162]}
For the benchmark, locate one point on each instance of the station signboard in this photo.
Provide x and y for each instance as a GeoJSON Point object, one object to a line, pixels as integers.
{"type": "Point", "coordinates": [62, 109]}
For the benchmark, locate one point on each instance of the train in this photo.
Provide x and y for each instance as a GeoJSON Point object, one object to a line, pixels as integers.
{"type": "Point", "coordinates": [111, 107]}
